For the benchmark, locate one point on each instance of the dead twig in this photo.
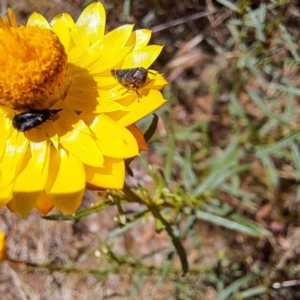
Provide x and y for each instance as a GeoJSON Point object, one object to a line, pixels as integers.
{"type": "Point", "coordinates": [182, 20]}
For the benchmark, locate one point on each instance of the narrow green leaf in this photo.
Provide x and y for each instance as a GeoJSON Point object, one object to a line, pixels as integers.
{"type": "Point", "coordinates": [166, 266]}
{"type": "Point", "coordinates": [289, 42]}
{"type": "Point", "coordinates": [171, 151]}
{"type": "Point", "coordinates": [268, 126]}
{"type": "Point", "coordinates": [226, 223]}
{"type": "Point", "coordinates": [296, 158]}
{"type": "Point", "coordinates": [252, 292]}
{"type": "Point", "coordinates": [152, 128]}
{"type": "Point", "coordinates": [289, 109]}
{"type": "Point", "coordinates": [121, 230]}
{"type": "Point", "coordinates": [222, 168]}
{"type": "Point", "coordinates": [259, 101]}
{"type": "Point", "coordinates": [283, 88]}
{"type": "Point", "coordinates": [79, 214]}
{"type": "Point", "coordinates": [256, 19]}
{"type": "Point", "coordinates": [269, 164]}
{"type": "Point", "coordinates": [233, 288]}
{"type": "Point", "coordinates": [188, 174]}
{"type": "Point", "coordinates": [229, 4]}
{"type": "Point", "coordinates": [285, 142]}
{"type": "Point", "coordinates": [237, 192]}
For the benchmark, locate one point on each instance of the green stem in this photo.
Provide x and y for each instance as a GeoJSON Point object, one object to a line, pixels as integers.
{"type": "Point", "coordinates": [133, 197]}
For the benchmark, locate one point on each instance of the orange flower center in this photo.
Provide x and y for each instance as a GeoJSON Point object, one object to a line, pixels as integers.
{"type": "Point", "coordinates": [33, 65]}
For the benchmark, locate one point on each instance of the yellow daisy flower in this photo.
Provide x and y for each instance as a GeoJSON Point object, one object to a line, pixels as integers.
{"type": "Point", "coordinates": [66, 121]}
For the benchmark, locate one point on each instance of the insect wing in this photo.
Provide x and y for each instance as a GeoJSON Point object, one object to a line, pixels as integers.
{"type": "Point", "coordinates": [140, 76]}
{"type": "Point", "coordinates": [131, 78]}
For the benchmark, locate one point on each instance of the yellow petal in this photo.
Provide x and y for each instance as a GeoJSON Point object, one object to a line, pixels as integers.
{"type": "Point", "coordinates": [66, 18]}
{"type": "Point", "coordinates": [63, 32]}
{"type": "Point", "coordinates": [74, 101]}
{"type": "Point", "coordinates": [36, 135]}
{"type": "Point", "coordinates": [110, 60]}
{"type": "Point", "coordinates": [139, 39]}
{"type": "Point", "coordinates": [43, 204]}
{"type": "Point", "coordinates": [77, 54]}
{"type": "Point", "coordinates": [6, 194]}
{"type": "Point", "coordinates": [6, 132]}
{"type": "Point", "coordinates": [30, 182]}
{"type": "Point", "coordinates": [114, 140]}
{"type": "Point", "coordinates": [82, 146]}
{"type": "Point", "coordinates": [157, 82]}
{"type": "Point", "coordinates": [108, 106]}
{"type": "Point", "coordinates": [142, 38]}
{"type": "Point", "coordinates": [81, 57]}
{"type": "Point", "coordinates": [107, 81]}
{"type": "Point", "coordinates": [54, 162]}
{"type": "Point", "coordinates": [143, 57]}
{"type": "Point", "coordinates": [82, 98]}
{"type": "Point", "coordinates": [138, 110]}
{"type": "Point", "coordinates": [111, 176]}
{"type": "Point", "coordinates": [10, 206]}
{"type": "Point", "coordinates": [38, 20]}
{"type": "Point", "coordinates": [24, 202]}
{"type": "Point", "coordinates": [82, 83]}
{"type": "Point", "coordinates": [79, 141]}
{"type": "Point", "coordinates": [33, 176]}
{"type": "Point", "coordinates": [138, 136]}
{"type": "Point", "coordinates": [16, 147]}
{"type": "Point", "coordinates": [91, 24]}
{"type": "Point", "coordinates": [66, 186]}
{"type": "Point", "coordinates": [3, 247]}
{"type": "Point", "coordinates": [116, 39]}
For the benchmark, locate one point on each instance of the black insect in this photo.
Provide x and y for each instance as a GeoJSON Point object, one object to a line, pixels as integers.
{"type": "Point", "coordinates": [33, 118]}
{"type": "Point", "coordinates": [131, 79]}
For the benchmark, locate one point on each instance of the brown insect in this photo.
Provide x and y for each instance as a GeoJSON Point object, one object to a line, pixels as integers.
{"type": "Point", "coordinates": [131, 79]}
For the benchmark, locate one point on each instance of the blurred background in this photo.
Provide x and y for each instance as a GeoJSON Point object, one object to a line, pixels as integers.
{"type": "Point", "coordinates": [224, 163]}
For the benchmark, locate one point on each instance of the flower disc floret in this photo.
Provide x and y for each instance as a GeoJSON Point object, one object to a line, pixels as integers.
{"type": "Point", "coordinates": [33, 67]}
